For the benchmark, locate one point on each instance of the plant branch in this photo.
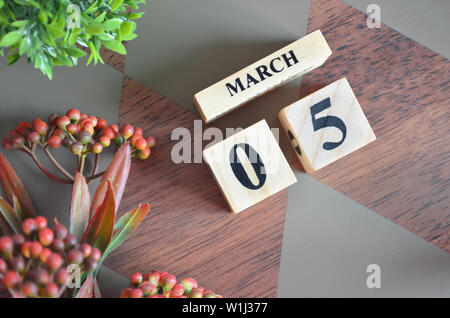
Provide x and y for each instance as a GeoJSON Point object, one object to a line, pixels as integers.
{"type": "Point", "coordinates": [97, 159]}
{"type": "Point", "coordinates": [95, 176]}
{"type": "Point", "coordinates": [57, 165]}
{"type": "Point", "coordinates": [45, 171]}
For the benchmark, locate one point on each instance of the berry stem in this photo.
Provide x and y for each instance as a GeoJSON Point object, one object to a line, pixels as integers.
{"type": "Point", "coordinates": [97, 159]}
{"type": "Point", "coordinates": [95, 176]}
{"type": "Point", "coordinates": [82, 161]}
{"type": "Point", "coordinates": [45, 171]}
{"type": "Point", "coordinates": [57, 165]}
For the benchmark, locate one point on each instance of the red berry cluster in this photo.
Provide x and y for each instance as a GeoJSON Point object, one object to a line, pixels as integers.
{"type": "Point", "coordinates": [81, 133]}
{"type": "Point", "coordinates": [34, 264]}
{"type": "Point", "coordinates": [163, 285]}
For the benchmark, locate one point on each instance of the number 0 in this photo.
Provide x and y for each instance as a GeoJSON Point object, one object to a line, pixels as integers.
{"type": "Point", "coordinates": [327, 121]}
{"type": "Point", "coordinates": [238, 168]}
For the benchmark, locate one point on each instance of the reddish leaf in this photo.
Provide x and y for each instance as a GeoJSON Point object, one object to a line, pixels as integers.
{"type": "Point", "coordinates": [79, 207]}
{"type": "Point", "coordinates": [87, 289]}
{"type": "Point", "coordinates": [5, 229]}
{"type": "Point", "coordinates": [12, 185]}
{"type": "Point", "coordinates": [117, 172]}
{"type": "Point", "coordinates": [100, 228]}
{"type": "Point", "coordinates": [124, 227]}
{"type": "Point", "coordinates": [9, 215]}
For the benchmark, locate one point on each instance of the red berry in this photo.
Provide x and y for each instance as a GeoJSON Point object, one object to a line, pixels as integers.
{"type": "Point", "coordinates": [126, 293]}
{"type": "Point", "coordinates": [61, 276]}
{"type": "Point", "coordinates": [88, 126]}
{"type": "Point", "coordinates": [105, 141]}
{"type": "Point", "coordinates": [58, 245]}
{"type": "Point", "coordinates": [60, 133]}
{"type": "Point", "coordinates": [86, 249]}
{"type": "Point", "coordinates": [75, 257]}
{"type": "Point", "coordinates": [25, 249]}
{"type": "Point", "coordinates": [30, 289]}
{"type": "Point", "coordinates": [3, 266]}
{"type": "Point", "coordinates": [60, 231]}
{"type": "Point", "coordinates": [151, 141]}
{"type": "Point", "coordinates": [11, 279]}
{"type": "Point", "coordinates": [6, 246]}
{"type": "Point", "coordinates": [96, 254]}
{"type": "Point", "coordinates": [177, 290]}
{"type": "Point", "coordinates": [46, 236]}
{"type": "Point", "coordinates": [118, 140]}
{"type": "Point", "coordinates": [77, 148]}
{"type": "Point", "coordinates": [141, 144]}
{"type": "Point", "coordinates": [17, 263]}
{"type": "Point", "coordinates": [196, 293]}
{"type": "Point", "coordinates": [134, 138]}
{"type": "Point", "coordinates": [138, 131]}
{"type": "Point", "coordinates": [52, 119]}
{"type": "Point", "coordinates": [189, 284]}
{"type": "Point", "coordinates": [29, 226]}
{"type": "Point", "coordinates": [93, 119]}
{"type": "Point", "coordinates": [144, 153]}
{"type": "Point", "coordinates": [148, 289]}
{"type": "Point", "coordinates": [101, 124]}
{"type": "Point", "coordinates": [115, 128]}
{"type": "Point", "coordinates": [136, 293]}
{"type": "Point", "coordinates": [62, 122]}
{"type": "Point", "coordinates": [153, 278]}
{"type": "Point", "coordinates": [155, 296]}
{"type": "Point", "coordinates": [97, 148]}
{"type": "Point", "coordinates": [52, 290]}
{"type": "Point", "coordinates": [109, 132]}
{"type": "Point", "coordinates": [54, 262]}
{"type": "Point", "coordinates": [41, 222]}
{"type": "Point", "coordinates": [34, 137]}
{"type": "Point", "coordinates": [54, 142]}
{"type": "Point", "coordinates": [72, 128]}
{"type": "Point", "coordinates": [18, 240]}
{"type": "Point", "coordinates": [41, 276]}
{"type": "Point", "coordinates": [45, 253]}
{"type": "Point", "coordinates": [83, 116]}
{"type": "Point", "coordinates": [70, 240]}
{"type": "Point", "coordinates": [127, 131]}
{"type": "Point", "coordinates": [22, 126]}
{"type": "Point", "coordinates": [136, 278]}
{"type": "Point", "coordinates": [167, 282]}
{"type": "Point", "coordinates": [35, 249]}
{"type": "Point", "coordinates": [85, 137]}
{"type": "Point", "coordinates": [40, 126]}
{"type": "Point", "coordinates": [6, 144]}
{"type": "Point", "coordinates": [73, 114]}
{"type": "Point", "coordinates": [17, 141]}
{"type": "Point", "coordinates": [90, 265]}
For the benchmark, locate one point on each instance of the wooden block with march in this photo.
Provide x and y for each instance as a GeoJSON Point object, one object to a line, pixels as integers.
{"type": "Point", "coordinates": [290, 62]}
{"type": "Point", "coordinates": [249, 166]}
{"type": "Point", "coordinates": [326, 125]}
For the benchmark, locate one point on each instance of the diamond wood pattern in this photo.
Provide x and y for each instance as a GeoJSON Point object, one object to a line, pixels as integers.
{"type": "Point", "coordinates": [189, 229]}
{"type": "Point", "coordinates": [404, 89]}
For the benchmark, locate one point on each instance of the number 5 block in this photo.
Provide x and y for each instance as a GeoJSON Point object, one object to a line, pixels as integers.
{"type": "Point", "coordinates": [249, 166]}
{"type": "Point", "coordinates": [326, 125]}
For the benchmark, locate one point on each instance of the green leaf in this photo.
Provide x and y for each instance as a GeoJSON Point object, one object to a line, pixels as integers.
{"type": "Point", "coordinates": [20, 23]}
{"type": "Point", "coordinates": [135, 15]}
{"type": "Point", "coordinates": [25, 45]}
{"type": "Point", "coordinates": [124, 227]}
{"type": "Point", "coordinates": [9, 214]}
{"type": "Point", "coordinates": [101, 17]}
{"type": "Point", "coordinates": [129, 37]}
{"type": "Point", "coordinates": [56, 32]}
{"type": "Point", "coordinates": [13, 186]}
{"type": "Point", "coordinates": [100, 228]}
{"type": "Point", "coordinates": [116, 4]}
{"type": "Point", "coordinates": [1, 3]}
{"type": "Point", "coordinates": [79, 207]}
{"type": "Point", "coordinates": [75, 52]}
{"type": "Point", "coordinates": [117, 172]}
{"type": "Point", "coordinates": [112, 24]}
{"type": "Point", "coordinates": [126, 28]}
{"type": "Point", "coordinates": [10, 38]}
{"type": "Point", "coordinates": [93, 29]}
{"type": "Point", "coordinates": [116, 47]}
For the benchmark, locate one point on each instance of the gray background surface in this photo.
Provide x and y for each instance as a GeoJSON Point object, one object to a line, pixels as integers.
{"type": "Point", "coordinates": [184, 46]}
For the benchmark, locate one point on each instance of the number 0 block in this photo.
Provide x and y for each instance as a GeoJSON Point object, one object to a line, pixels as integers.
{"type": "Point", "coordinates": [326, 125]}
{"type": "Point", "coordinates": [249, 166]}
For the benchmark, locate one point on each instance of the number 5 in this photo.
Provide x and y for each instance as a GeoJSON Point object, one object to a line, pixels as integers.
{"type": "Point", "coordinates": [327, 121]}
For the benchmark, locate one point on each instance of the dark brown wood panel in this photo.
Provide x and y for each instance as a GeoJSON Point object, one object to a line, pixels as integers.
{"type": "Point", "coordinates": [404, 90]}
{"type": "Point", "coordinates": [190, 230]}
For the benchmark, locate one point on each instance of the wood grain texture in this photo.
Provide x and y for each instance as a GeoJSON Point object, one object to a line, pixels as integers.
{"type": "Point", "coordinates": [405, 92]}
{"type": "Point", "coordinates": [110, 58]}
{"type": "Point", "coordinates": [326, 125]}
{"type": "Point", "coordinates": [189, 230]}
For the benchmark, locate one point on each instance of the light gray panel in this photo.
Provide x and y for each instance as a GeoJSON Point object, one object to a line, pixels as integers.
{"type": "Point", "coordinates": [26, 94]}
{"type": "Point", "coordinates": [426, 22]}
{"type": "Point", "coordinates": [329, 240]}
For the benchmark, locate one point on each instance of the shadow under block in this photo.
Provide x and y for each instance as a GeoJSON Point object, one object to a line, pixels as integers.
{"type": "Point", "coordinates": [326, 125]}
{"type": "Point", "coordinates": [404, 89]}
{"type": "Point", "coordinates": [262, 76]}
{"type": "Point", "coordinates": [249, 166]}
{"type": "Point", "coordinates": [234, 255]}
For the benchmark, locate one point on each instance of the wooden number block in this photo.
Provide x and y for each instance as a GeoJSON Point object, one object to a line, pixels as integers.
{"type": "Point", "coordinates": [260, 77]}
{"type": "Point", "coordinates": [249, 166]}
{"type": "Point", "coordinates": [326, 125]}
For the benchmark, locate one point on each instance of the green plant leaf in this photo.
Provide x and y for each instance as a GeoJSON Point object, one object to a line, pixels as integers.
{"type": "Point", "coordinates": [20, 23]}
{"type": "Point", "coordinates": [112, 24]}
{"type": "Point", "coordinates": [135, 15]}
{"type": "Point", "coordinates": [13, 186]}
{"type": "Point", "coordinates": [79, 207]}
{"type": "Point", "coordinates": [129, 37]}
{"type": "Point", "coordinates": [25, 45]}
{"type": "Point", "coordinates": [126, 28]}
{"type": "Point", "coordinates": [10, 38]}
{"type": "Point", "coordinates": [124, 227]}
{"type": "Point", "coordinates": [9, 214]}
{"type": "Point", "coordinates": [115, 47]}
{"type": "Point", "coordinates": [116, 4]}
{"type": "Point", "coordinates": [94, 29]}
{"type": "Point", "coordinates": [117, 172]}
{"type": "Point", "coordinates": [100, 228]}
{"type": "Point", "coordinates": [75, 52]}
